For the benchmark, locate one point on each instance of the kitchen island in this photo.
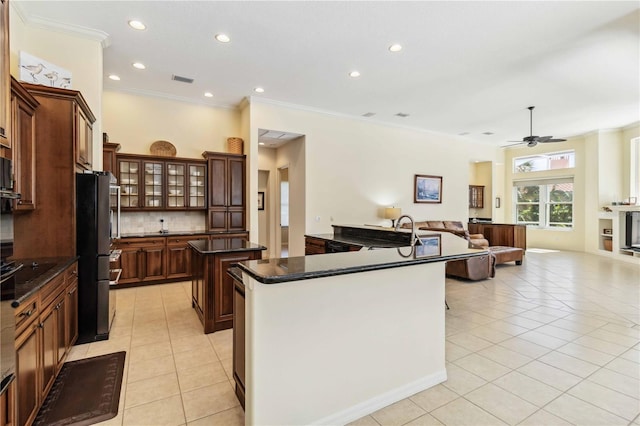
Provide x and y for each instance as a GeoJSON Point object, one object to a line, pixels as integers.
{"type": "Point", "coordinates": [331, 338]}
{"type": "Point", "coordinates": [212, 288]}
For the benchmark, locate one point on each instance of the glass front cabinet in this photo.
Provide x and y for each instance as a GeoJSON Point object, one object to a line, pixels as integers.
{"type": "Point", "coordinates": [152, 184]}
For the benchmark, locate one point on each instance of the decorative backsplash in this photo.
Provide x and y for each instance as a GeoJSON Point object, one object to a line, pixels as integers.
{"type": "Point", "coordinates": [149, 222]}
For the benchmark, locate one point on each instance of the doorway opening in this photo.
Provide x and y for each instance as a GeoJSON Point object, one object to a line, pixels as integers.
{"type": "Point", "coordinates": [283, 183]}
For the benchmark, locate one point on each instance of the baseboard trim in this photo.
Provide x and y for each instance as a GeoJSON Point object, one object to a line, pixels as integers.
{"type": "Point", "coordinates": [380, 401]}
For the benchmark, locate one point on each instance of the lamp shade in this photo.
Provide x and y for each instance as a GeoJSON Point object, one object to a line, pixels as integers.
{"type": "Point", "coordinates": [392, 213]}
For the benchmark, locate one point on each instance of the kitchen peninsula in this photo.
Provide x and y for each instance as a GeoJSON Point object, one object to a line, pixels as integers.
{"type": "Point", "coordinates": [342, 335]}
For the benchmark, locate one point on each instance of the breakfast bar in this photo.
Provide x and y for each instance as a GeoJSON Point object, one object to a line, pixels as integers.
{"type": "Point", "coordinates": [342, 335]}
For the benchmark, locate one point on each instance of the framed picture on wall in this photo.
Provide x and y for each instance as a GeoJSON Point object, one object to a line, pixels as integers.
{"type": "Point", "coordinates": [261, 200]}
{"type": "Point", "coordinates": [427, 189]}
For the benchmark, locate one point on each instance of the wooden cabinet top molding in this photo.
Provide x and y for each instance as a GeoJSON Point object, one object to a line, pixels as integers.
{"type": "Point", "coordinates": [58, 93]}
{"type": "Point", "coordinates": [18, 89]}
{"type": "Point", "coordinates": [145, 157]}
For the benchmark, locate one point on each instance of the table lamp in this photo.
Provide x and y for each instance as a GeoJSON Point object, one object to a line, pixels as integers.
{"type": "Point", "coordinates": [392, 213]}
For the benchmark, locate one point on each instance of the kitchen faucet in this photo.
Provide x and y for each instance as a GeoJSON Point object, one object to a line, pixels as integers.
{"type": "Point", "coordinates": [414, 237]}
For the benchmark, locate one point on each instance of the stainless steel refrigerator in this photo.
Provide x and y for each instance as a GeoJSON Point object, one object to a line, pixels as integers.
{"type": "Point", "coordinates": [96, 304]}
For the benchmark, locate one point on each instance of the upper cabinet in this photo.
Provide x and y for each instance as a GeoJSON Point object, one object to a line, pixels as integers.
{"type": "Point", "coordinates": [23, 137]}
{"type": "Point", "coordinates": [5, 84]}
{"type": "Point", "coordinates": [157, 183]}
{"type": "Point", "coordinates": [84, 138]}
{"type": "Point", "coordinates": [227, 178]}
{"type": "Point", "coordinates": [476, 196]}
{"type": "Point", "coordinates": [109, 151]}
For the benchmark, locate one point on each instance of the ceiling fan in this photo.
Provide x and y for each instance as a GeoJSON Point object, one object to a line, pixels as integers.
{"type": "Point", "coordinates": [531, 140]}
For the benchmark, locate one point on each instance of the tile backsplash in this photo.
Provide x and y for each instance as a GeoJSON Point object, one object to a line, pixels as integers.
{"type": "Point", "coordinates": [149, 222]}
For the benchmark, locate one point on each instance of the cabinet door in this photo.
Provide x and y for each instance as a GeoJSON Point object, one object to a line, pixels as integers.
{"type": "Point", "coordinates": [217, 219]}
{"type": "Point", "coordinates": [5, 116]}
{"type": "Point", "coordinates": [84, 139]}
{"type": "Point", "coordinates": [236, 219]}
{"type": "Point", "coordinates": [153, 262]}
{"type": "Point", "coordinates": [238, 340]}
{"type": "Point", "coordinates": [130, 263]}
{"type": "Point", "coordinates": [224, 289]}
{"type": "Point", "coordinates": [27, 365]}
{"type": "Point", "coordinates": [153, 184]}
{"type": "Point", "coordinates": [60, 312]}
{"type": "Point", "coordinates": [236, 184]}
{"type": "Point", "coordinates": [71, 313]}
{"type": "Point", "coordinates": [218, 182]}
{"type": "Point", "coordinates": [7, 405]}
{"type": "Point", "coordinates": [129, 180]}
{"type": "Point", "coordinates": [197, 282]}
{"type": "Point", "coordinates": [176, 185]}
{"type": "Point", "coordinates": [179, 261]}
{"type": "Point", "coordinates": [24, 159]}
{"type": "Point", "coordinates": [197, 186]}
{"type": "Point", "coordinates": [48, 330]}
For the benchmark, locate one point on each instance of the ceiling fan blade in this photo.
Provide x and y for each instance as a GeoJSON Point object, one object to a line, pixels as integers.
{"type": "Point", "coordinates": [551, 140]}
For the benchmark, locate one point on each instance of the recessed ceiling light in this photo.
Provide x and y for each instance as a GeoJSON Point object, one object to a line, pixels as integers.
{"type": "Point", "coordinates": [395, 48]}
{"type": "Point", "coordinates": [223, 38]}
{"type": "Point", "coordinates": [208, 94]}
{"type": "Point", "coordinates": [260, 143]}
{"type": "Point", "coordinates": [137, 25]}
{"type": "Point", "coordinates": [114, 77]}
{"type": "Point", "coordinates": [354, 74]}
{"type": "Point", "coordinates": [258, 90]}
{"type": "Point", "coordinates": [139, 65]}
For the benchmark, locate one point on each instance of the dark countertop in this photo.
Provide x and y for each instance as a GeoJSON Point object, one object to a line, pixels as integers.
{"type": "Point", "coordinates": [30, 279]}
{"type": "Point", "coordinates": [224, 245]}
{"type": "Point", "coordinates": [358, 241]}
{"type": "Point", "coordinates": [273, 271]}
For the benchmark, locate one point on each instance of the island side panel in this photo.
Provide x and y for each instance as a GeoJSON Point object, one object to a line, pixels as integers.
{"type": "Point", "coordinates": [341, 347]}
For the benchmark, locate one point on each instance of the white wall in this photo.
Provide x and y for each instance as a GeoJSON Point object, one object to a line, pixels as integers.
{"type": "Point", "coordinates": [135, 122]}
{"type": "Point", "coordinates": [80, 55]}
{"type": "Point", "coordinates": [355, 167]}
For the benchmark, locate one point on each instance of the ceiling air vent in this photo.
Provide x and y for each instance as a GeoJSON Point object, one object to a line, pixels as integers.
{"type": "Point", "coordinates": [369, 114]}
{"type": "Point", "coordinates": [487, 133]}
{"type": "Point", "coordinates": [181, 79]}
{"type": "Point", "coordinates": [402, 114]}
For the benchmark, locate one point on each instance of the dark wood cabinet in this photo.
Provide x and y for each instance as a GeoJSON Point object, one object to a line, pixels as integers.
{"type": "Point", "coordinates": [179, 256]}
{"type": "Point", "coordinates": [239, 350]}
{"type": "Point", "coordinates": [155, 183]}
{"type": "Point", "coordinates": [23, 137]}
{"type": "Point", "coordinates": [109, 151]}
{"type": "Point", "coordinates": [49, 230]}
{"type": "Point", "coordinates": [7, 405]}
{"type": "Point", "coordinates": [213, 288]}
{"type": "Point", "coordinates": [227, 180]}
{"type": "Point", "coordinates": [314, 245]}
{"type": "Point", "coordinates": [501, 234]}
{"type": "Point", "coordinates": [84, 138]}
{"type": "Point", "coordinates": [44, 336]}
{"type": "Point", "coordinates": [155, 259]}
{"type": "Point", "coordinates": [476, 196]}
{"type": "Point", "coordinates": [5, 115]}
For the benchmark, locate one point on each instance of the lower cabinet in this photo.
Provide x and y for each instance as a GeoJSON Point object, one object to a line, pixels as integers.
{"type": "Point", "coordinates": [7, 405]}
{"type": "Point", "coordinates": [43, 340]}
{"type": "Point", "coordinates": [213, 289]}
{"type": "Point", "coordinates": [148, 259]}
{"type": "Point", "coordinates": [314, 245]}
{"type": "Point", "coordinates": [238, 339]}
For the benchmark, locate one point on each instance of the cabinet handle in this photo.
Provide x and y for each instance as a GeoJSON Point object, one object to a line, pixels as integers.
{"type": "Point", "coordinates": [19, 201]}
{"type": "Point", "coordinates": [72, 291]}
{"type": "Point", "coordinates": [74, 272]}
{"type": "Point", "coordinates": [41, 325]}
{"type": "Point", "coordinates": [27, 314]}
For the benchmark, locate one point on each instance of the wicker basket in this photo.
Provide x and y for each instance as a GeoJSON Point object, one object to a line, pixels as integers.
{"type": "Point", "coordinates": [608, 244]}
{"type": "Point", "coordinates": [235, 145]}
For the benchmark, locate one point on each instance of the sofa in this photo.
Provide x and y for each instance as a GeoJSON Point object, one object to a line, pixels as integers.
{"type": "Point", "coordinates": [473, 268]}
{"type": "Point", "coordinates": [453, 227]}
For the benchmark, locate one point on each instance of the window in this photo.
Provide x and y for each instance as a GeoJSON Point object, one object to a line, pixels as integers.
{"type": "Point", "coordinates": [544, 203]}
{"type": "Point", "coordinates": [284, 203]}
{"type": "Point", "coordinates": [552, 161]}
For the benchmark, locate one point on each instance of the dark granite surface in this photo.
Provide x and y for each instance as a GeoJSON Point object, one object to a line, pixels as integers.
{"type": "Point", "coordinates": [359, 241]}
{"type": "Point", "coordinates": [224, 245]}
{"type": "Point", "coordinates": [31, 278]}
{"type": "Point", "coordinates": [443, 247]}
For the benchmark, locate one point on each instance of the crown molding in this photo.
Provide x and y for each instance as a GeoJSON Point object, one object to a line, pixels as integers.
{"type": "Point", "coordinates": [261, 100]}
{"type": "Point", "coordinates": [47, 24]}
{"type": "Point", "coordinates": [152, 94]}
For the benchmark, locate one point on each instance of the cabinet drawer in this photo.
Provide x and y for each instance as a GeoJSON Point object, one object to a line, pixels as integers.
{"type": "Point", "coordinates": [26, 313]}
{"type": "Point", "coordinates": [51, 290]}
{"type": "Point", "coordinates": [140, 242]}
{"type": "Point", "coordinates": [71, 273]}
{"type": "Point", "coordinates": [182, 240]}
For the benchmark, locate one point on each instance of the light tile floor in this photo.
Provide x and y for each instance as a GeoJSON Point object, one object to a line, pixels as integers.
{"type": "Point", "coordinates": [555, 341]}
